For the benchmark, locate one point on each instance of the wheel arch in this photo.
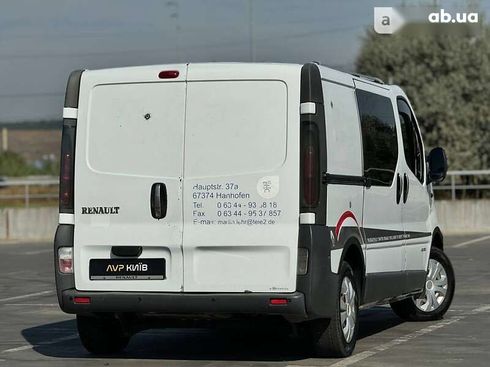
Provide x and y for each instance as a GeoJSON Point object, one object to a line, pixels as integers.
{"type": "Point", "coordinates": [353, 255]}
{"type": "Point", "coordinates": [438, 239]}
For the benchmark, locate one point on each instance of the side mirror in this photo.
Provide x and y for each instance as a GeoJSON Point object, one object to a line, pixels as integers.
{"type": "Point", "coordinates": [437, 162]}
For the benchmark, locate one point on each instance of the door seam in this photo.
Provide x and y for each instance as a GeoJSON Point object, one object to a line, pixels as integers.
{"type": "Point", "coordinates": [182, 185]}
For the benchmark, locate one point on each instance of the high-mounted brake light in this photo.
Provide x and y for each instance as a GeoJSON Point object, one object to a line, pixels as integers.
{"type": "Point", "coordinates": [168, 74]}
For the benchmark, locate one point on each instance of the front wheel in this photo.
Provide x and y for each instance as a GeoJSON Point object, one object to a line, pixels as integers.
{"type": "Point", "coordinates": [438, 293]}
{"type": "Point", "coordinates": [337, 337]}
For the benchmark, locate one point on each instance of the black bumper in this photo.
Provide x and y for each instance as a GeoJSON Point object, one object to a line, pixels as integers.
{"type": "Point", "coordinates": [184, 303]}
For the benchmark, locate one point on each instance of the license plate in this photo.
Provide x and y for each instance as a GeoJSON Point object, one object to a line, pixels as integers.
{"type": "Point", "coordinates": [127, 269]}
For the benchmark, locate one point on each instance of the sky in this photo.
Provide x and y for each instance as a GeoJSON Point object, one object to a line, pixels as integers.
{"type": "Point", "coordinates": [41, 41]}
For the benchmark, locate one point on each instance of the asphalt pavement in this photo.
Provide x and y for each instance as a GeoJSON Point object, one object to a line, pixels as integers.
{"type": "Point", "coordinates": [35, 332]}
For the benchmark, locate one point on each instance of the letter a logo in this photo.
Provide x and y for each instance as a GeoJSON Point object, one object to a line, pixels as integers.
{"type": "Point", "coordinates": [387, 20]}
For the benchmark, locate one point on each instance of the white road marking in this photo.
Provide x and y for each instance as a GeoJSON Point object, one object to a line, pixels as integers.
{"type": "Point", "coordinates": [403, 339]}
{"type": "Point", "coordinates": [32, 304]}
{"type": "Point", "coordinates": [470, 242]}
{"type": "Point", "coordinates": [18, 272]}
{"type": "Point", "coordinates": [18, 349]}
{"type": "Point", "coordinates": [381, 348]}
{"type": "Point", "coordinates": [43, 293]}
{"type": "Point", "coordinates": [49, 342]}
{"type": "Point", "coordinates": [356, 358]}
{"type": "Point", "coordinates": [481, 309]}
{"type": "Point", "coordinates": [38, 252]}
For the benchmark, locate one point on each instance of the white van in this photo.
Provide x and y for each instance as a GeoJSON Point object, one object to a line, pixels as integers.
{"type": "Point", "coordinates": [231, 191]}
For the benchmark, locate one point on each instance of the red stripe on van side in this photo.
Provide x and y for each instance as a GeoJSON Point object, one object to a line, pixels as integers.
{"type": "Point", "coordinates": [343, 217]}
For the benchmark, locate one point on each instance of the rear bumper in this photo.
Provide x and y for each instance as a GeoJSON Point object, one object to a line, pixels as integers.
{"type": "Point", "coordinates": [315, 296]}
{"type": "Point", "coordinates": [184, 303]}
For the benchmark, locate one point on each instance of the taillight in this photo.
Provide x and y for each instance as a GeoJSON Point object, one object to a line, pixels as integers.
{"type": "Point", "coordinates": [65, 260]}
{"type": "Point", "coordinates": [310, 165]}
{"type": "Point", "coordinates": [67, 168]}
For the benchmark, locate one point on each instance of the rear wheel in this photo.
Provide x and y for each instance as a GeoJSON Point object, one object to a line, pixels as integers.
{"type": "Point", "coordinates": [337, 337]}
{"type": "Point", "coordinates": [102, 334]}
{"type": "Point", "coordinates": [438, 293]}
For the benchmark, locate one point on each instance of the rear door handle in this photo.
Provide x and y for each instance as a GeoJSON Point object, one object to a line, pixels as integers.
{"type": "Point", "coordinates": [406, 187]}
{"type": "Point", "coordinates": [398, 188]}
{"type": "Point", "coordinates": [158, 200]}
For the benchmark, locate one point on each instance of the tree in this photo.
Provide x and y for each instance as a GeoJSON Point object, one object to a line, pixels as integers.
{"type": "Point", "coordinates": [446, 76]}
{"type": "Point", "coordinates": [12, 164]}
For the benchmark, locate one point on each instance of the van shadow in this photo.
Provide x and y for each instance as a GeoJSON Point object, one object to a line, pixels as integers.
{"type": "Point", "coordinates": [199, 344]}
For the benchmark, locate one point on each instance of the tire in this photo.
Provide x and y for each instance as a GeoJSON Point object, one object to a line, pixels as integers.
{"type": "Point", "coordinates": [102, 334]}
{"type": "Point", "coordinates": [438, 293]}
{"type": "Point", "coordinates": [329, 337]}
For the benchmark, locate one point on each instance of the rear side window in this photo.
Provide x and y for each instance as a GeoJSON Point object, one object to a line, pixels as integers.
{"type": "Point", "coordinates": [412, 142]}
{"type": "Point", "coordinates": [380, 146]}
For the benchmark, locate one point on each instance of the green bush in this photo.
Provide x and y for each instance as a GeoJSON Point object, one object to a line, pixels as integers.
{"type": "Point", "coordinates": [14, 165]}
{"type": "Point", "coordinates": [51, 168]}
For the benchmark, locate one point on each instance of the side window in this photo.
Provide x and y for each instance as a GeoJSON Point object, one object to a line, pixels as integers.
{"type": "Point", "coordinates": [379, 140]}
{"type": "Point", "coordinates": [412, 142]}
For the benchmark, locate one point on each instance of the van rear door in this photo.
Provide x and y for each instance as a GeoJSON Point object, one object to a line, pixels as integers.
{"type": "Point", "coordinates": [128, 157]}
{"type": "Point", "coordinates": [241, 169]}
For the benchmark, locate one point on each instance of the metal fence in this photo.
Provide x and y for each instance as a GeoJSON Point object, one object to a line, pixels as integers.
{"type": "Point", "coordinates": [464, 181]}
{"type": "Point", "coordinates": [26, 191]}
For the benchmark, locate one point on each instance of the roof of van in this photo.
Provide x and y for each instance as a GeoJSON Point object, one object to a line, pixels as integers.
{"type": "Point", "coordinates": [326, 72]}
